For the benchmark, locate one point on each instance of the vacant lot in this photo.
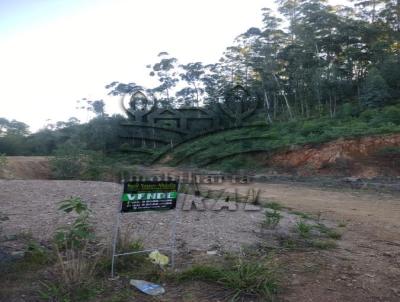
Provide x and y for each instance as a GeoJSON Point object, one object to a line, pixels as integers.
{"type": "Point", "coordinates": [364, 267]}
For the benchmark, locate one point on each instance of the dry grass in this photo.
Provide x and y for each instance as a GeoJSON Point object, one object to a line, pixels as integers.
{"type": "Point", "coordinates": [76, 266]}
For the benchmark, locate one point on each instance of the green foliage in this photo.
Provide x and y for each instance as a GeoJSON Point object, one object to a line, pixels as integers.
{"type": "Point", "coordinates": [53, 292]}
{"type": "Point", "coordinates": [375, 90]}
{"type": "Point", "coordinates": [136, 245]}
{"type": "Point", "coordinates": [76, 235]}
{"type": "Point", "coordinates": [349, 110]}
{"type": "Point", "coordinates": [324, 244]}
{"type": "Point", "coordinates": [73, 204]}
{"type": "Point", "coordinates": [281, 136]}
{"type": "Point", "coordinates": [72, 162]}
{"type": "Point", "coordinates": [272, 219]}
{"type": "Point", "coordinates": [301, 214]}
{"type": "Point", "coordinates": [67, 162]}
{"type": "Point", "coordinates": [250, 278]}
{"type": "Point", "coordinates": [302, 73]}
{"type": "Point", "coordinates": [273, 205]}
{"type": "Point", "coordinates": [334, 234]}
{"type": "Point", "coordinates": [331, 233]}
{"type": "Point", "coordinates": [303, 229]}
{"type": "Point", "coordinates": [244, 277]}
{"type": "Point", "coordinates": [56, 291]}
{"type": "Point", "coordinates": [36, 254]}
{"type": "Point", "coordinates": [201, 272]}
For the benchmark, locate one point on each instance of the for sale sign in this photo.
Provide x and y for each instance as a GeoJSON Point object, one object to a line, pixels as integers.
{"type": "Point", "coordinates": [148, 196]}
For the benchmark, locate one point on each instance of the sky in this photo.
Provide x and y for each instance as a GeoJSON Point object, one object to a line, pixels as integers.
{"type": "Point", "coordinates": [55, 52]}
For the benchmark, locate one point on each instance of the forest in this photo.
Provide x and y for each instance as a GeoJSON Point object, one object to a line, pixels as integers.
{"type": "Point", "coordinates": [309, 61]}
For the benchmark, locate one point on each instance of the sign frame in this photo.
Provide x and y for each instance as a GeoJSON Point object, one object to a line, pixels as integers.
{"type": "Point", "coordinates": [172, 242]}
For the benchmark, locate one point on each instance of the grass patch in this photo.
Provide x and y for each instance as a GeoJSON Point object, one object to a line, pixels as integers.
{"type": "Point", "coordinates": [302, 215]}
{"type": "Point", "coordinates": [331, 233]}
{"type": "Point", "coordinates": [37, 255]}
{"type": "Point", "coordinates": [200, 273]}
{"type": "Point", "coordinates": [323, 244]}
{"type": "Point", "coordinates": [303, 229]}
{"type": "Point", "coordinates": [272, 219]}
{"type": "Point", "coordinates": [288, 243]}
{"type": "Point", "coordinates": [273, 205]}
{"type": "Point", "coordinates": [57, 291]}
{"type": "Point", "coordinates": [244, 278]}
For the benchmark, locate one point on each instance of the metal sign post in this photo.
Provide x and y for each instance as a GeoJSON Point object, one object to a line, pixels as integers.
{"type": "Point", "coordinates": [146, 196]}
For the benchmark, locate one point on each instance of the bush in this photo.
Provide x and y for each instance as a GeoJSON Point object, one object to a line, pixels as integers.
{"type": "Point", "coordinates": [391, 114]}
{"type": "Point", "coordinates": [70, 162]}
{"type": "Point", "coordinates": [303, 229]}
{"type": "Point", "coordinates": [67, 163]}
{"type": "Point", "coordinates": [272, 219]}
{"type": "Point", "coordinates": [76, 259]}
{"type": "Point", "coordinates": [244, 277]}
{"type": "Point", "coordinates": [349, 110]}
{"type": "Point", "coordinates": [76, 235]}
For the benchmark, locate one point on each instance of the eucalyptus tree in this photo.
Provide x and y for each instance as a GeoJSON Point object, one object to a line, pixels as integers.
{"type": "Point", "coordinates": [167, 75]}
{"type": "Point", "coordinates": [368, 9]}
{"type": "Point", "coordinates": [375, 90]}
{"type": "Point", "coordinates": [290, 9]}
{"type": "Point", "coordinates": [390, 15]}
{"type": "Point", "coordinates": [192, 74]}
{"type": "Point", "coordinates": [214, 83]}
{"type": "Point", "coordinates": [267, 67]}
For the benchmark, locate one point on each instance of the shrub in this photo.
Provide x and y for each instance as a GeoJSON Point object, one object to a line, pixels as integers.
{"type": "Point", "coordinates": [303, 229]}
{"type": "Point", "coordinates": [349, 110]}
{"type": "Point", "coordinates": [391, 114]}
{"type": "Point", "coordinates": [70, 162]}
{"type": "Point", "coordinates": [76, 260]}
{"type": "Point", "coordinates": [36, 254]}
{"type": "Point", "coordinates": [76, 235]}
{"type": "Point", "coordinates": [250, 278]}
{"type": "Point", "coordinates": [274, 205]}
{"type": "Point", "coordinates": [244, 277]}
{"type": "Point", "coordinates": [272, 219]}
{"type": "Point", "coordinates": [67, 163]}
{"type": "Point", "coordinates": [331, 233]}
{"type": "Point", "coordinates": [374, 92]}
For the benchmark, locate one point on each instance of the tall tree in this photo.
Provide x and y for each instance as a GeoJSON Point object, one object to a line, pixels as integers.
{"type": "Point", "coordinates": [166, 72]}
{"type": "Point", "coordinates": [375, 90]}
{"type": "Point", "coordinates": [192, 75]}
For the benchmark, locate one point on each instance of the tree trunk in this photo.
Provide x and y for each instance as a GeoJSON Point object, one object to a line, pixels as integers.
{"type": "Point", "coordinates": [284, 96]}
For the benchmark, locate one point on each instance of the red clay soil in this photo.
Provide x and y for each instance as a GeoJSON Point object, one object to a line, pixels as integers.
{"type": "Point", "coordinates": [354, 157]}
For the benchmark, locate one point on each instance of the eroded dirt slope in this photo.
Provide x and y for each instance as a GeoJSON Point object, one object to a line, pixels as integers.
{"type": "Point", "coordinates": [363, 157]}
{"type": "Point", "coordinates": [26, 167]}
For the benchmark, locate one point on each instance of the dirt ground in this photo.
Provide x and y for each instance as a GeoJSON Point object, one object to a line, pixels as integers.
{"type": "Point", "coordinates": [26, 167]}
{"type": "Point", "coordinates": [31, 207]}
{"type": "Point", "coordinates": [364, 267]}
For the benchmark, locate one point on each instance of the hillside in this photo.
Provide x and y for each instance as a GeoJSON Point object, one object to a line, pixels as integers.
{"type": "Point", "coordinates": [365, 144]}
